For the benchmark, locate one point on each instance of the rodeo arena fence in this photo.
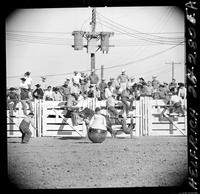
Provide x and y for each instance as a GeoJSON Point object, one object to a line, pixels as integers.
{"type": "Point", "coordinates": [50, 119]}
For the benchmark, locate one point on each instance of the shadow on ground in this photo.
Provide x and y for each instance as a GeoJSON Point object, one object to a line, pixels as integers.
{"type": "Point", "coordinates": [68, 138]}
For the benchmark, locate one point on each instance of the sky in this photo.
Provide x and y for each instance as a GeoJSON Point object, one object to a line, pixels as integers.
{"type": "Point", "coordinates": [146, 40]}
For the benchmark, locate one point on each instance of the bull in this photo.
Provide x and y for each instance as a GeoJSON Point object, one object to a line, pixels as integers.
{"type": "Point", "coordinates": [87, 114]}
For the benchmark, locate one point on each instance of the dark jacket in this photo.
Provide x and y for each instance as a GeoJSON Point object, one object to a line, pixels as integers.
{"type": "Point", "coordinates": [38, 93]}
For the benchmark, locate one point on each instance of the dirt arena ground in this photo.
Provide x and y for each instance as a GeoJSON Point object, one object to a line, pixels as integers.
{"type": "Point", "coordinates": [61, 162]}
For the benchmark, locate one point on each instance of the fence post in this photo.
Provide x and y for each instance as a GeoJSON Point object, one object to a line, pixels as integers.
{"type": "Point", "coordinates": [35, 118]}
{"type": "Point", "coordinates": [137, 119]}
{"type": "Point", "coordinates": [149, 115]}
{"type": "Point", "coordinates": [141, 118]}
{"type": "Point", "coordinates": [39, 116]}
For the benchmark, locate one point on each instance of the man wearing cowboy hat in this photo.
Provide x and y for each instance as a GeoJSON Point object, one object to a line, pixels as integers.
{"type": "Point", "coordinates": [155, 82]}
{"type": "Point", "coordinates": [173, 84]}
{"type": "Point", "coordinates": [43, 84]}
{"type": "Point", "coordinates": [76, 78]}
{"type": "Point", "coordinates": [114, 83]}
{"type": "Point", "coordinates": [122, 80]}
{"type": "Point", "coordinates": [90, 92]}
{"type": "Point", "coordinates": [24, 127]}
{"type": "Point", "coordinates": [12, 96]}
{"type": "Point", "coordinates": [28, 79]}
{"type": "Point", "coordinates": [23, 84]}
{"type": "Point", "coordinates": [102, 87]}
{"type": "Point", "coordinates": [56, 94]}
{"type": "Point", "coordinates": [25, 97]}
{"type": "Point", "coordinates": [93, 78]}
{"type": "Point", "coordinates": [48, 94]}
{"type": "Point", "coordinates": [84, 83]}
{"type": "Point", "coordinates": [38, 92]}
{"type": "Point", "coordinates": [65, 89]}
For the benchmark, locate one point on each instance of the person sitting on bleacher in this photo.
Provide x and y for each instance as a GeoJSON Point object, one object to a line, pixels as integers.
{"type": "Point", "coordinates": [90, 92]}
{"type": "Point", "coordinates": [108, 90]}
{"type": "Point", "coordinates": [48, 94]}
{"type": "Point", "coordinates": [162, 92]}
{"type": "Point", "coordinates": [149, 88]}
{"type": "Point", "coordinates": [174, 85]}
{"type": "Point", "coordinates": [56, 94]}
{"type": "Point", "coordinates": [12, 96]}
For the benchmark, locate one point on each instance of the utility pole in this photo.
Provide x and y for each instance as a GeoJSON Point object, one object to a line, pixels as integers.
{"type": "Point", "coordinates": [172, 63]}
{"type": "Point", "coordinates": [93, 25]}
{"type": "Point", "coordinates": [92, 40]}
{"type": "Point", "coordinates": [102, 68]}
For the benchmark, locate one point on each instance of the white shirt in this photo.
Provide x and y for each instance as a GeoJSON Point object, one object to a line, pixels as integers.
{"type": "Point", "coordinates": [174, 99]}
{"type": "Point", "coordinates": [76, 79]}
{"type": "Point", "coordinates": [108, 93]}
{"type": "Point", "coordinates": [48, 94]}
{"type": "Point", "coordinates": [98, 121]}
{"type": "Point", "coordinates": [111, 101]}
{"type": "Point", "coordinates": [182, 92]}
{"type": "Point", "coordinates": [23, 85]}
{"type": "Point", "coordinates": [57, 96]}
{"type": "Point", "coordinates": [28, 81]}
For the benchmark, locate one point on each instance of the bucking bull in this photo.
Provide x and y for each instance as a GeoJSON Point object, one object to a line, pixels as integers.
{"type": "Point", "coordinates": [87, 114]}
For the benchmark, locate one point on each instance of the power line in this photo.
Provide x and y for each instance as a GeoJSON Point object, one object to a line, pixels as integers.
{"type": "Point", "coordinates": [52, 32]}
{"type": "Point", "coordinates": [133, 30]}
{"type": "Point", "coordinates": [143, 48]}
{"type": "Point", "coordinates": [65, 41]}
{"type": "Point", "coordinates": [158, 26]}
{"type": "Point", "coordinates": [114, 66]}
{"type": "Point", "coordinates": [144, 39]}
{"type": "Point", "coordinates": [142, 59]}
{"type": "Point", "coordinates": [137, 36]}
{"type": "Point", "coordinates": [37, 32]}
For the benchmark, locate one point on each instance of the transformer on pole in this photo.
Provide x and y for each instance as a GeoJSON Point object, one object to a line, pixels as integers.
{"type": "Point", "coordinates": [92, 38]}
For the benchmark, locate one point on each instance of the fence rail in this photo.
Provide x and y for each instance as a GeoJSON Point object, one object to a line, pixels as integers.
{"type": "Point", "coordinates": [50, 119]}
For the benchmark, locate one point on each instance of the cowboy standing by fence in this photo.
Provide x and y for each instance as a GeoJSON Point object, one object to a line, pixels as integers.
{"type": "Point", "coordinates": [24, 127]}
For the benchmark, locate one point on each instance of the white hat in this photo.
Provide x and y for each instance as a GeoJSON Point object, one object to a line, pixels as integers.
{"type": "Point", "coordinates": [123, 70]}
{"type": "Point", "coordinates": [67, 78]}
{"type": "Point", "coordinates": [154, 76]}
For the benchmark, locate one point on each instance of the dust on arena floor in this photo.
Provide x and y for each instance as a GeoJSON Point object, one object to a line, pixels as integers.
{"type": "Point", "coordinates": [61, 162]}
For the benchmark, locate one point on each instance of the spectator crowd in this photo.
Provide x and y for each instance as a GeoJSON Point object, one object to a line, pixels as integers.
{"type": "Point", "coordinates": [122, 88]}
